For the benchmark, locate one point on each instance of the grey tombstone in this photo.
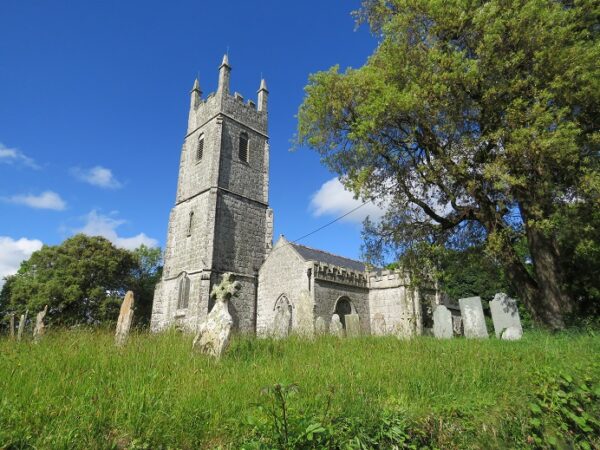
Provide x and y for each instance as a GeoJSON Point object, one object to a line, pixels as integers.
{"type": "Point", "coordinates": [473, 318]}
{"type": "Point", "coordinates": [442, 323]}
{"type": "Point", "coordinates": [215, 332]}
{"type": "Point", "coordinates": [282, 322]}
{"type": "Point", "coordinates": [335, 327]}
{"type": "Point", "coordinates": [352, 325]}
{"type": "Point", "coordinates": [12, 325]}
{"type": "Point", "coordinates": [457, 325]}
{"type": "Point", "coordinates": [320, 326]}
{"type": "Point", "coordinates": [40, 328]}
{"type": "Point", "coordinates": [378, 325]}
{"type": "Point", "coordinates": [512, 334]}
{"type": "Point", "coordinates": [305, 318]}
{"type": "Point", "coordinates": [125, 319]}
{"type": "Point", "coordinates": [505, 314]}
{"type": "Point", "coordinates": [22, 325]}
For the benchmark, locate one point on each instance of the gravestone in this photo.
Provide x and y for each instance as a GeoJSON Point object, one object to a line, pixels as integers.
{"type": "Point", "coordinates": [378, 327]}
{"type": "Point", "coordinates": [214, 333]}
{"type": "Point", "coordinates": [305, 318]}
{"type": "Point", "coordinates": [442, 323]}
{"type": "Point", "coordinates": [22, 325]}
{"type": "Point", "coordinates": [125, 319]}
{"type": "Point", "coordinates": [512, 334]}
{"type": "Point", "coordinates": [335, 327]}
{"type": "Point", "coordinates": [282, 322]}
{"type": "Point", "coordinates": [505, 314]}
{"type": "Point", "coordinates": [320, 326]}
{"type": "Point", "coordinates": [473, 318]}
{"type": "Point", "coordinates": [40, 328]}
{"type": "Point", "coordinates": [12, 325]}
{"type": "Point", "coordinates": [457, 325]}
{"type": "Point", "coordinates": [352, 325]}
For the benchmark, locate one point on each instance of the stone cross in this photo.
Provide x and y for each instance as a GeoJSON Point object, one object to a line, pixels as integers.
{"type": "Point", "coordinates": [505, 314]}
{"type": "Point", "coordinates": [22, 325]}
{"type": "Point", "coordinates": [320, 326]}
{"type": "Point", "coordinates": [335, 327]}
{"type": "Point", "coordinates": [125, 319]}
{"type": "Point", "coordinates": [40, 328]}
{"type": "Point", "coordinates": [442, 322]}
{"type": "Point", "coordinates": [12, 325]}
{"type": "Point", "coordinates": [473, 318]}
{"type": "Point", "coordinates": [378, 326]}
{"type": "Point", "coordinates": [352, 325]}
{"type": "Point", "coordinates": [214, 333]}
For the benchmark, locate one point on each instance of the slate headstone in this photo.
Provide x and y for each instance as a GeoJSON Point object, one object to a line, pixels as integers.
{"type": "Point", "coordinates": [378, 326]}
{"type": "Point", "coordinates": [505, 314]}
{"type": "Point", "coordinates": [335, 327]}
{"type": "Point", "coordinates": [473, 318]}
{"type": "Point", "coordinates": [352, 325]}
{"type": "Point", "coordinates": [125, 319]}
{"type": "Point", "coordinates": [442, 323]}
{"type": "Point", "coordinates": [40, 328]}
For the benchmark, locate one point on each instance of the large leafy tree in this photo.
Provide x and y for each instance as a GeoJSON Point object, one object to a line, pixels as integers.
{"type": "Point", "coordinates": [82, 280]}
{"type": "Point", "coordinates": [473, 121]}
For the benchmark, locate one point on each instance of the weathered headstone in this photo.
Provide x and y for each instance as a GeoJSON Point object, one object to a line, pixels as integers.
{"type": "Point", "coordinates": [378, 327]}
{"type": "Point", "coordinates": [335, 327]}
{"type": "Point", "coordinates": [473, 318]}
{"type": "Point", "coordinates": [282, 322]}
{"type": "Point", "coordinates": [505, 314]}
{"type": "Point", "coordinates": [22, 325]}
{"type": "Point", "coordinates": [125, 319]}
{"type": "Point", "coordinates": [512, 334]}
{"type": "Point", "coordinates": [320, 326]}
{"type": "Point", "coordinates": [11, 325]}
{"type": "Point", "coordinates": [442, 322]}
{"type": "Point", "coordinates": [40, 328]}
{"type": "Point", "coordinates": [457, 325]}
{"type": "Point", "coordinates": [214, 333]}
{"type": "Point", "coordinates": [305, 318]}
{"type": "Point", "coordinates": [352, 325]}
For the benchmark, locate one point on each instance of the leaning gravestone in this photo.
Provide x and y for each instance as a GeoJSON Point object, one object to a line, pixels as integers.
{"type": "Point", "coordinates": [40, 328]}
{"type": "Point", "coordinates": [473, 318]}
{"type": "Point", "coordinates": [214, 333]}
{"type": "Point", "coordinates": [125, 319]}
{"type": "Point", "coordinates": [12, 325]}
{"type": "Point", "coordinates": [335, 327]}
{"type": "Point", "coordinates": [282, 322]}
{"type": "Point", "coordinates": [320, 326]}
{"type": "Point", "coordinates": [22, 325]}
{"type": "Point", "coordinates": [505, 314]}
{"type": "Point", "coordinates": [352, 325]}
{"type": "Point", "coordinates": [378, 327]}
{"type": "Point", "coordinates": [442, 323]}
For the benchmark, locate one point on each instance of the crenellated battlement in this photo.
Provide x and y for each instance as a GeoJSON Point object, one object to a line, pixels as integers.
{"type": "Point", "coordinates": [387, 279]}
{"type": "Point", "coordinates": [337, 274]}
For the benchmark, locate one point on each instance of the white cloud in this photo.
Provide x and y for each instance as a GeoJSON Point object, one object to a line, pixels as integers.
{"type": "Point", "coordinates": [15, 156]}
{"type": "Point", "coordinates": [97, 176]}
{"type": "Point", "coordinates": [333, 199]}
{"type": "Point", "coordinates": [13, 252]}
{"type": "Point", "coordinates": [46, 200]}
{"type": "Point", "coordinates": [100, 225]}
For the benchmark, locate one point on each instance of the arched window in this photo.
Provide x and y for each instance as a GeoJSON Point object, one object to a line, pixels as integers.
{"type": "Point", "coordinates": [200, 148]}
{"type": "Point", "coordinates": [243, 147]}
{"type": "Point", "coordinates": [190, 223]}
{"type": "Point", "coordinates": [184, 292]}
{"type": "Point", "coordinates": [342, 308]}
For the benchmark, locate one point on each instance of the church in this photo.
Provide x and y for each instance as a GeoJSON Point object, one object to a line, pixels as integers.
{"type": "Point", "coordinates": [221, 222]}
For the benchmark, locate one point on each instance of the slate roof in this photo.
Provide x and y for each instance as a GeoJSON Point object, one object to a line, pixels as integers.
{"type": "Point", "coordinates": [311, 254]}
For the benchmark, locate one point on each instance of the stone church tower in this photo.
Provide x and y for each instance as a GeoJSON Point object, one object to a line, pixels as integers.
{"type": "Point", "coordinates": [221, 221]}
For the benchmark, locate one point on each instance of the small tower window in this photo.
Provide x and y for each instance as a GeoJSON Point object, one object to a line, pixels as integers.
{"type": "Point", "coordinates": [184, 292]}
{"type": "Point", "coordinates": [200, 148]}
{"type": "Point", "coordinates": [190, 224]}
{"type": "Point", "coordinates": [244, 147]}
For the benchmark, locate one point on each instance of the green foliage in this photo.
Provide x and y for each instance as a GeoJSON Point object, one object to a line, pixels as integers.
{"type": "Point", "coordinates": [142, 281]}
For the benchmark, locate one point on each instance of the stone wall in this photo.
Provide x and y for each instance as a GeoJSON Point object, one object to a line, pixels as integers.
{"type": "Point", "coordinates": [327, 294]}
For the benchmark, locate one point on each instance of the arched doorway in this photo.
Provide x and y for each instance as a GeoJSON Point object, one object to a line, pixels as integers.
{"type": "Point", "coordinates": [343, 307]}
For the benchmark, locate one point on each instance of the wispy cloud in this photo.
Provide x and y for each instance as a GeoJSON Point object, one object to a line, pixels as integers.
{"type": "Point", "coordinates": [332, 199]}
{"type": "Point", "coordinates": [45, 200]}
{"type": "Point", "coordinates": [97, 176]}
{"type": "Point", "coordinates": [97, 224]}
{"type": "Point", "coordinates": [15, 156]}
{"type": "Point", "coordinates": [13, 252]}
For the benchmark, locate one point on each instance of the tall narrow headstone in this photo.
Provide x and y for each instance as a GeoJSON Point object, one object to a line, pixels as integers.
{"type": "Point", "coordinates": [320, 326]}
{"type": "Point", "coordinates": [125, 319]}
{"type": "Point", "coordinates": [40, 328]}
{"type": "Point", "coordinates": [282, 322]}
{"type": "Point", "coordinates": [352, 325]}
{"type": "Point", "coordinates": [11, 325]}
{"type": "Point", "coordinates": [214, 333]}
{"type": "Point", "coordinates": [473, 318]}
{"type": "Point", "coordinates": [457, 325]}
{"type": "Point", "coordinates": [305, 317]}
{"type": "Point", "coordinates": [378, 326]}
{"type": "Point", "coordinates": [505, 314]}
{"type": "Point", "coordinates": [335, 327]}
{"type": "Point", "coordinates": [22, 325]}
{"type": "Point", "coordinates": [442, 322]}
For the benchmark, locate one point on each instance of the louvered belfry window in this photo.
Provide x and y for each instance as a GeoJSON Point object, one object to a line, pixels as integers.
{"type": "Point", "coordinates": [200, 148]}
{"type": "Point", "coordinates": [244, 147]}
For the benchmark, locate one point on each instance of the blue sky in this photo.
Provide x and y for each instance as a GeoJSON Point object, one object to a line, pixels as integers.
{"type": "Point", "coordinates": [94, 99]}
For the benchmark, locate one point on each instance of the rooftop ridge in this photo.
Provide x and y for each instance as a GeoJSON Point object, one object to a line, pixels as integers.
{"type": "Point", "coordinates": [328, 253]}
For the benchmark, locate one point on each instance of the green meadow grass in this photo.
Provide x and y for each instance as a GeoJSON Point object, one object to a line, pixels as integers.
{"type": "Point", "coordinates": [76, 390]}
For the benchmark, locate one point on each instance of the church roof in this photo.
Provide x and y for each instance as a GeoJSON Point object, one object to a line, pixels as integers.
{"type": "Point", "coordinates": [311, 254]}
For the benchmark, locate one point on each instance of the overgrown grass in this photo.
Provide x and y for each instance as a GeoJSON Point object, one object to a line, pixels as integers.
{"type": "Point", "coordinates": [76, 390]}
